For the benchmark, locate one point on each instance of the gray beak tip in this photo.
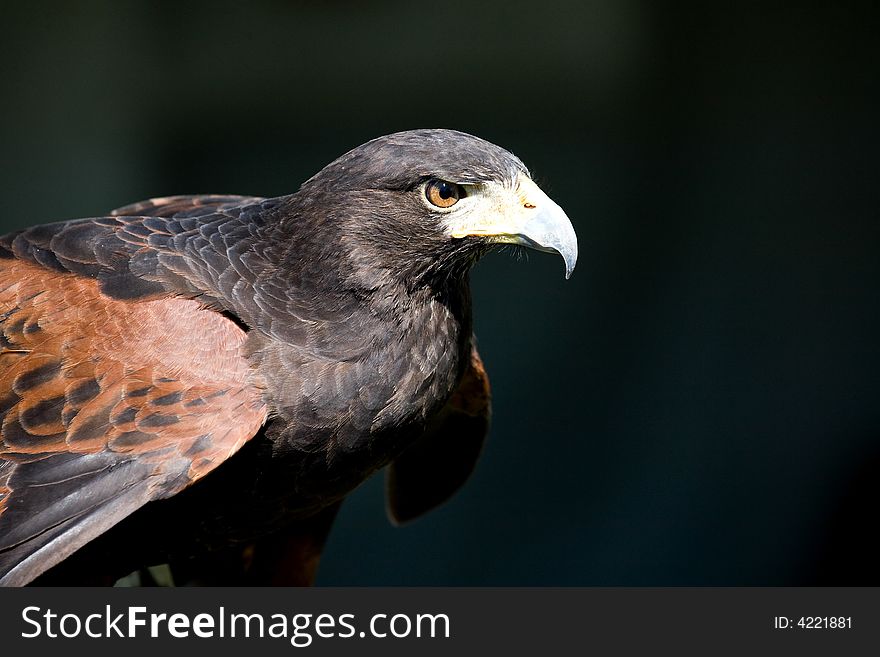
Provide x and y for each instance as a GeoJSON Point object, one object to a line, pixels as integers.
{"type": "Point", "coordinates": [570, 262]}
{"type": "Point", "coordinates": [569, 256]}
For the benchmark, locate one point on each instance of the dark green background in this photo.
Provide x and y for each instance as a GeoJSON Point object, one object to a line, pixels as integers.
{"type": "Point", "coordinates": [699, 404]}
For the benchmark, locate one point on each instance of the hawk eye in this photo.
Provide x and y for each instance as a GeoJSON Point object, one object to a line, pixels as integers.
{"type": "Point", "coordinates": [443, 194]}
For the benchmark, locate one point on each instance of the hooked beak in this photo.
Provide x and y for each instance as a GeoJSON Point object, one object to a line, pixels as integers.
{"type": "Point", "coordinates": [524, 215]}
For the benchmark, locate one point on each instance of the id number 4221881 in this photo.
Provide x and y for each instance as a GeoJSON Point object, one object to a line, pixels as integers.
{"type": "Point", "coordinates": [813, 623]}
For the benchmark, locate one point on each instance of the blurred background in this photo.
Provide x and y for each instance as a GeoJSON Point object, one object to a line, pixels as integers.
{"type": "Point", "coordinates": [698, 405]}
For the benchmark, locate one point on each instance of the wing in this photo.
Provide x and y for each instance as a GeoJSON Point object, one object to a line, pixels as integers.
{"type": "Point", "coordinates": [198, 247]}
{"type": "Point", "coordinates": [181, 207]}
{"type": "Point", "coordinates": [224, 251]}
{"type": "Point", "coordinates": [430, 470]}
{"type": "Point", "coordinates": [105, 403]}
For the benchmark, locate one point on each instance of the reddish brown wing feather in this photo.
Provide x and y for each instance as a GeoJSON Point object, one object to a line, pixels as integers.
{"type": "Point", "coordinates": [430, 470]}
{"type": "Point", "coordinates": [106, 405]}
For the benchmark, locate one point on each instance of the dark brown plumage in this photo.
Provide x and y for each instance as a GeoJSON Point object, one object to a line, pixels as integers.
{"type": "Point", "coordinates": [316, 337]}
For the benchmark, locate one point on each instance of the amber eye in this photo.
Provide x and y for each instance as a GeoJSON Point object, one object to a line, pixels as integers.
{"type": "Point", "coordinates": [443, 194]}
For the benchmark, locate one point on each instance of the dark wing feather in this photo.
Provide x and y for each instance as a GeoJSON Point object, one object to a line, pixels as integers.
{"type": "Point", "coordinates": [433, 468]}
{"type": "Point", "coordinates": [105, 405]}
{"type": "Point", "coordinates": [198, 247]}
{"type": "Point", "coordinates": [67, 513]}
{"type": "Point", "coordinates": [225, 254]}
{"type": "Point", "coordinates": [184, 206]}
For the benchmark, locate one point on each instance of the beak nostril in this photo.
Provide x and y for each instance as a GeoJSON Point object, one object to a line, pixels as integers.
{"type": "Point", "coordinates": [528, 206]}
